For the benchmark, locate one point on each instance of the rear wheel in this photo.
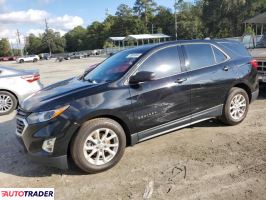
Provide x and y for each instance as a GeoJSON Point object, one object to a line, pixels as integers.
{"type": "Point", "coordinates": [99, 145]}
{"type": "Point", "coordinates": [8, 103]}
{"type": "Point", "coordinates": [21, 61]}
{"type": "Point", "coordinates": [236, 107]}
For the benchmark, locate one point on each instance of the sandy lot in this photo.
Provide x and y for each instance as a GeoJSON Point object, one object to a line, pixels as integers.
{"type": "Point", "coordinates": [206, 161]}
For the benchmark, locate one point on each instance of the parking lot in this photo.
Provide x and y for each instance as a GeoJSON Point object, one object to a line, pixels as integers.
{"type": "Point", "coordinates": [205, 161]}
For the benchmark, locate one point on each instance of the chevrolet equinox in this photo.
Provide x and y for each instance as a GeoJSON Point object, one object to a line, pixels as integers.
{"type": "Point", "coordinates": [135, 95]}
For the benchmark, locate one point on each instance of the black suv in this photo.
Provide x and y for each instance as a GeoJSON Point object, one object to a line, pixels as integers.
{"type": "Point", "coordinates": [135, 95]}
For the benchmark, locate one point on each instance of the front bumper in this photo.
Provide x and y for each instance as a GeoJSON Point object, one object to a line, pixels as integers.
{"type": "Point", "coordinates": [60, 162]}
{"type": "Point", "coordinates": [32, 136]}
{"type": "Point", "coordinates": [255, 95]}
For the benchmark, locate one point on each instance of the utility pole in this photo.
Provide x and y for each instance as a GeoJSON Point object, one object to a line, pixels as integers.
{"type": "Point", "coordinates": [175, 6]}
{"type": "Point", "coordinates": [107, 12]}
{"type": "Point", "coordinates": [48, 39]}
{"type": "Point", "coordinates": [152, 28]}
{"type": "Point", "coordinates": [11, 46]}
{"type": "Point", "coordinates": [19, 43]}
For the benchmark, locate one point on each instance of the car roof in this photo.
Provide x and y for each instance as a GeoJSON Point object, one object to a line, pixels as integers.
{"type": "Point", "coordinates": [149, 47]}
{"type": "Point", "coordinates": [145, 49]}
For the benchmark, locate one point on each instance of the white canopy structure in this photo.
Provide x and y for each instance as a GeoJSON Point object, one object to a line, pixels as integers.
{"type": "Point", "coordinates": [146, 37]}
{"type": "Point", "coordinates": [117, 38]}
{"type": "Point", "coordinates": [143, 38]}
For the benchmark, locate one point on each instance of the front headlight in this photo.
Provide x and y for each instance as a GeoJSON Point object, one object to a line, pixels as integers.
{"type": "Point", "coordinates": [46, 115]}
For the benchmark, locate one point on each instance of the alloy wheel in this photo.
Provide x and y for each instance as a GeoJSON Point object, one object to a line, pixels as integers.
{"type": "Point", "coordinates": [238, 107]}
{"type": "Point", "coordinates": [101, 146]}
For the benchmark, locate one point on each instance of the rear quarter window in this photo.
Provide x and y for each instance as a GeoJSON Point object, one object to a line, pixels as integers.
{"type": "Point", "coordinates": [219, 56]}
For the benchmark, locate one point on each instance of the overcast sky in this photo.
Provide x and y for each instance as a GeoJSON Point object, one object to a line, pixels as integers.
{"type": "Point", "coordinates": [62, 15]}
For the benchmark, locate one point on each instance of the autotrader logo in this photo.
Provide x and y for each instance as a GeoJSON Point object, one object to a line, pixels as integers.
{"type": "Point", "coordinates": [27, 193]}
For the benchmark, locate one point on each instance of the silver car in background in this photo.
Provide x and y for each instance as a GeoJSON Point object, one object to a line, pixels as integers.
{"type": "Point", "coordinates": [15, 86]}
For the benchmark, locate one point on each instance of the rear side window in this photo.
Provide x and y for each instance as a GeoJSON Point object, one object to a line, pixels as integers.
{"type": "Point", "coordinates": [163, 63]}
{"type": "Point", "coordinates": [219, 56]}
{"type": "Point", "coordinates": [199, 55]}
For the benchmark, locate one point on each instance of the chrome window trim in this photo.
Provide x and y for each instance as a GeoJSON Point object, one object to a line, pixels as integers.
{"type": "Point", "coordinates": [228, 57]}
{"type": "Point", "coordinates": [126, 82]}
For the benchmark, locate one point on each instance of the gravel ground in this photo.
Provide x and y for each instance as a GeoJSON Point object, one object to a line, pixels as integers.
{"type": "Point", "coordinates": [205, 161]}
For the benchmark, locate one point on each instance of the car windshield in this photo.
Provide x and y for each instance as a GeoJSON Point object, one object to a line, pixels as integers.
{"type": "Point", "coordinates": [115, 66]}
{"type": "Point", "coordinates": [262, 42]}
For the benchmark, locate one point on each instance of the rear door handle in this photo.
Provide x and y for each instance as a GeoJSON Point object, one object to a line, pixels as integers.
{"type": "Point", "coordinates": [226, 69]}
{"type": "Point", "coordinates": [181, 80]}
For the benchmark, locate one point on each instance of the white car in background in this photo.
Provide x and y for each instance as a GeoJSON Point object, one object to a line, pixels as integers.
{"type": "Point", "coordinates": [15, 86]}
{"type": "Point", "coordinates": [28, 58]}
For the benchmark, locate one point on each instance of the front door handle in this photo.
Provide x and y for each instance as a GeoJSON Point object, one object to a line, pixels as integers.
{"type": "Point", "coordinates": [181, 80]}
{"type": "Point", "coordinates": [226, 69]}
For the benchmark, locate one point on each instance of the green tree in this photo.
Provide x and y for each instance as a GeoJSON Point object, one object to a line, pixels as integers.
{"type": "Point", "coordinates": [57, 43]}
{"type": "Point", "coordinates": [164, 21]}
{"type": "Point", "coordinates": [189, 24]}
{"type": "Point", "coordinates": [145, 9]}
{"type": "Point", "coordinates": [5, 49]}
{"type": "Point", "coordinates": [76, 39]}
{"type": "Point", "coordinates": [224, 18]}
{"type": "Point", "coordinates": [95, 35]}
{"type": "Point", "coordinates": [124, 10]}
{"type": "Point", "coordinates": [33, 44]}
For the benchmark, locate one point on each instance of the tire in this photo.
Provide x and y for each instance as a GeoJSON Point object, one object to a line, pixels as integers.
{"type": "Point", "coordinates": [230, 114]}
{"type": "Point", "coordinates": [21, 61]}
{"type": "Point", "coordinates": [35, 60]}
{"type": "Point", "coordinates": [10, 106]}
{"type": "Point", "coordinates": [89, 164]}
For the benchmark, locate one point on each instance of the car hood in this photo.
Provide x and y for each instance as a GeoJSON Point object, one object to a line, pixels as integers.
{"type": "Point", "coordinates": [58, 95]}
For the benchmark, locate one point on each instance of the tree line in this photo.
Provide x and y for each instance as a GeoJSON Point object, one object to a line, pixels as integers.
{"type": "Point", "coordinates": [203, 18]}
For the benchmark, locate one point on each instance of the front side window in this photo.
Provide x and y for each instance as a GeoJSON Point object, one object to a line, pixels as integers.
{"type": "Point", "coordinates": [199, 56]}
{"type": "Point", "coordinates": [163, 63]}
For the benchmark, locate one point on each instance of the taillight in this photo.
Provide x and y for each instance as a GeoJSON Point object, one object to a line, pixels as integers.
{"type": "Point", "coordinates": [31, 78]}
{"type": "Point", "coordinates": [254, 64]}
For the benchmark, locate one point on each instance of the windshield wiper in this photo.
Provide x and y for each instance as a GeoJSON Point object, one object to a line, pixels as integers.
{"type": "Point", "coordinates": [82, 77]}
{"type": "Point", "coordinates": [90, 80]}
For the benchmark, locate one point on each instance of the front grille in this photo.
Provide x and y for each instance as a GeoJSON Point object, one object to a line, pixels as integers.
{"type": "Point", "coordinates": [262, 67]}
{"type": "Point", "coordinates": [20, 126]}
{"type": "Point", "coordinates": [21, 121]}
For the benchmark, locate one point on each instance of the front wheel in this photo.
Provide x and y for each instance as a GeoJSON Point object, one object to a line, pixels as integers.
{"type": "Point", "coordinates": [99, 145]}
{"type": "Point", "coordinates": [236, 107]}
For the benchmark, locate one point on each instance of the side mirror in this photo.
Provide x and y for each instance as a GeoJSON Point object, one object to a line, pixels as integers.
{"type": "Point", "coordinates": [140, 77]}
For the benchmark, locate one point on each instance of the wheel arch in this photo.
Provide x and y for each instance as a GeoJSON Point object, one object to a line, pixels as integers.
{"type": "Point", "coordinates": [119, 121]}
{"type": "Point", "coordinates": [113, 117]}
{"type": "Point", "coordinates": [246, 88]}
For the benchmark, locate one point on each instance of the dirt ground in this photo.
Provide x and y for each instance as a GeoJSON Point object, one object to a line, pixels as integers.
{"type": "Point", "coordinates": [205, 161]}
